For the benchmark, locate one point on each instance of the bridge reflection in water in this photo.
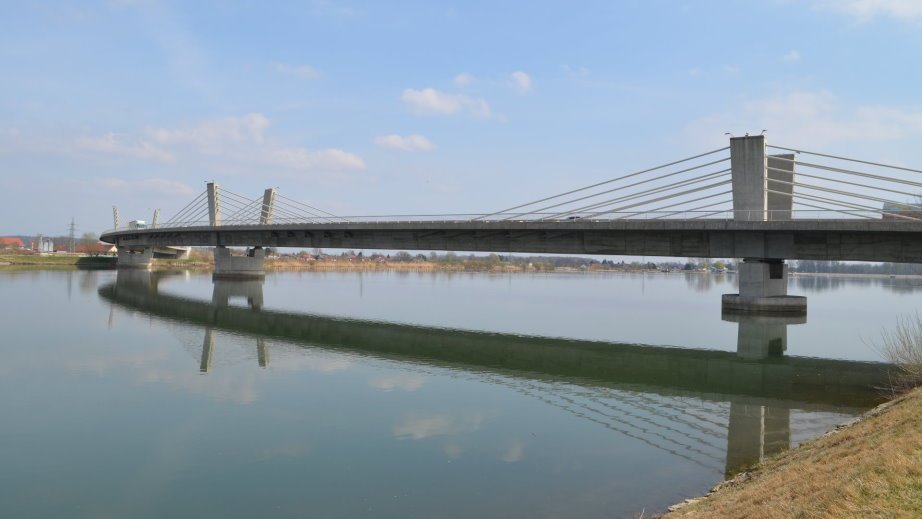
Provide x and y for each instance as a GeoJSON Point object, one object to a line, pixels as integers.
{"type": "Point", "coordinates": [639, 391]}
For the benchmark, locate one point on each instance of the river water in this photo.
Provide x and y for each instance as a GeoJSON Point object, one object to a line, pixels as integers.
{"type": "Point", "coordinates": [137, 394]}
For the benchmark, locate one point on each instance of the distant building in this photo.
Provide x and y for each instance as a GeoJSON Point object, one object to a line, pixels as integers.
{"type": "Point", "coordinates": [894, 211]}
{"type": "Point", "coordinates": [12, 243]}
{"type": "Point", "coordinates": [44, 244]}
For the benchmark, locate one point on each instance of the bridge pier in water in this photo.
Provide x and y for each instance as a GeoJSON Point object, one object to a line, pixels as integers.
{"type": "Point", "coordinates": [249, 266]}
{"type": "Point", "coordinates": [763, 282]}
{"type": "Point", "coordinates": [762, 336]}
{"type": "Point", "coordinates": [134, 258]}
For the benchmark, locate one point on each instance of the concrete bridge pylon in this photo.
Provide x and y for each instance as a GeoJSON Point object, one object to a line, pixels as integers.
{"type": "Point", "coordinates": [763, 281]}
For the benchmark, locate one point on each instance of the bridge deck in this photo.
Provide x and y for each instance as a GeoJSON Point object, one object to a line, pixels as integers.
{"type": "Point", "coordinates": [839, 240]}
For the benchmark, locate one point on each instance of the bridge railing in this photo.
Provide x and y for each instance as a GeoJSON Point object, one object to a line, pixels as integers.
{"type": "Point", "coordinates": [894, 216]}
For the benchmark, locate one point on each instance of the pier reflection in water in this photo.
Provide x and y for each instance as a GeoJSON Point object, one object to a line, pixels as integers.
{"type": "Point", "coordinates": [743, 400]}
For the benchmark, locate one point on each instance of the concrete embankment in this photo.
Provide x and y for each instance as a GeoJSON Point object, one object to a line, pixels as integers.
{"type": "Point", "coordinates": [868, 468]}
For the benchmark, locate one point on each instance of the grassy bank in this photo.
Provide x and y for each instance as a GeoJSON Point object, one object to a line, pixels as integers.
{"type": "Point", "coordinates": [869, 468]}
{"type": "Point", "coordinates": [13, 261]}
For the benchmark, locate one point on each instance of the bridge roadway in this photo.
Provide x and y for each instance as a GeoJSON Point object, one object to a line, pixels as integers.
{"type": "Point", "coordinates": [817, 384]}
{"type": "Point", "coordinates": [834, 240]}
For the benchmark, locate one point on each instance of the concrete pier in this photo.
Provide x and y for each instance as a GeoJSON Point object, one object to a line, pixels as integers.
{"type": "Point", "coordinates": [250, 290]}
{"type": "Point", "coordinates": [248, 266]}
{"type": "Point", "coordinates": [129, 258]}
{"type": "Point", "coordinates": [763, 281]}
{"type": "Point", "coordinates": [763, 286]}
{"type": "Point", "coordinates": [762, 336]}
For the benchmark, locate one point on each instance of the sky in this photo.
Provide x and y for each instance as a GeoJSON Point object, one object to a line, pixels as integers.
{"type": "Point", "coordinates": [429, 107]}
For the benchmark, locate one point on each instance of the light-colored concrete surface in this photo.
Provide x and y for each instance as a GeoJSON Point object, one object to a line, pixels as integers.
{"type": "Point", "coordinates": [839, 240]}
{"type": "Point", "coordinates": [779, 206]}
{"type": "Point", "coordinates": [250, 265]}
{"type": "Point", "coordinates": [135, 258]}
{"type": "Point", "coordinates": [781, 305]}
{"type": "Point", "coordinates": [747, 164]}
{"type": "Point", "coordinates": [762, 279]}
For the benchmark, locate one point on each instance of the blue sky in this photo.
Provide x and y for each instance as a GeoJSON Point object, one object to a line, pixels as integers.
{"type": "Point", "coordinates": [426, 107]}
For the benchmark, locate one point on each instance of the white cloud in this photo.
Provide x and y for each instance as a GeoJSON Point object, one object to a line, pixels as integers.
{"type": "Point", "coordinates": [406, 143]}
{"type": "Point", "coordinates": [225, 144]}
{"type": "Point", "coordinates": [430, 101]}
{"type": "Point", "coordinates": [212, 136]}
{"type": "Point", "coordinates": [298, 71]}
{"type": "Point", "coordinates": [813, 118]}
{"type": "Point", "coordinates": [791, 57]}
{"type": "Point", "coordinates": [113, 144]}
{"type": "Point", "coordinates": [422, 427]}
{"type": "Point", "coordinates": [515, 452]}
{"type": "Point", "coordinates": [521, 81]}
{"type": "Point", "coordinates": [463, 79]}
{"type": "Point", "coordinates": [243, 139]}
{"type": "Point", "coordinates": [864, 10]}
{"type": "Point", "coordinates": [405, 382]}
{"type": "Point", "coordinates": [155, 185]}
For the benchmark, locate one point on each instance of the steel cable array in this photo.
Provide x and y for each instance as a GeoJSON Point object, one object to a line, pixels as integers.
{"type": "Point", "coordinates": [830, 192]}
{"type": "Point", "coordinates": [617, 200]}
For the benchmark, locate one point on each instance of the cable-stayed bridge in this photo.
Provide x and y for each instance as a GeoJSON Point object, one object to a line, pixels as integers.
{"type": "Point", "coordinates": [748, 200]}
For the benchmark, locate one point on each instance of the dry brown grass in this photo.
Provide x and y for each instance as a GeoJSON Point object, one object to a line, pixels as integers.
{"type": "Point", "coordinates": [902, 346]}
{"type": "Point", "coordinates": [872, 468]}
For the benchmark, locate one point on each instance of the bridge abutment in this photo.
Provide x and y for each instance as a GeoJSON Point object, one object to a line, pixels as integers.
{"type": "Point", "coordinates": [249, 266]}
{"type": "Point", "coordinates": [135, 259]}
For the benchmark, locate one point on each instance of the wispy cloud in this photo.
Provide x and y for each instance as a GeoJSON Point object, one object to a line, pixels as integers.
{"type": "Point", "coordinates": [463, 79]}
{"type": "Point", "coordinates": [405, 142]}
{"type": "Point", "coordinates": [298, 71]}
{"type": "Point", "coordinates": [244, 139]}
{"type": "Point", "coordinates": [864, 10]}
{"type": "Point", "coordinates": [404, 382]}
{"type": "Point", "coordinates": [422, 427]}
{"type": "Point", "coordinates": [791, 57]}
{"type": "Point", "coordinates": [217, 143]}
{"type": "Point", "coordinates": [521, 81]}
{"type": "Point", "coordinates": [816, 118]}
{"type": "Point", "coordinates": [430, 101]}
{"type": "Point", "coordinates": [156, 185]}
{"type": "Point", "coordinates": [114, 144]}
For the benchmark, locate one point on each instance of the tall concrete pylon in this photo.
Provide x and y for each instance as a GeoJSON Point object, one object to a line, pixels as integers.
{"type": "Point", "coordinates": [763, 281]}
{"type": "Point", "coordinates": [214, 205]}
{"type": "Point", "coordinates": [265, 216]}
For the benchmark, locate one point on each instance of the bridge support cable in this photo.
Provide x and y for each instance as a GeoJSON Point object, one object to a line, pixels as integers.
{"type": "Point", "coordinates": [309, 208]}
{"type": "Point", "coordinates": [659, 199]}
{"type": "Point", "coordinates": [599, 184]}
{"type": "Point", "coordinates": [889, 166]}
{"type": "Point", "coordinates": [649, 212]}
{"type": "Point", "coordinates": [694, 209]}
{"type": "Point", "coordinates": [621, 188]}
{"type": "Point", "coordinates": [853, 208]}
{"type": "Point", "coordinates": [871, 181]}
{"type": "Point", "coordinates": [634, 196]}
{"type": "Point", "coordinates": [843, 193]}
{"type": "Point", "coordinates": [856, 184]}
{"type": "Point", "coordinates": [831, 209]}
{"type": "Point", "coordinates": [854, 173]}
{"type": "Point", "coordinates": [191, 206]}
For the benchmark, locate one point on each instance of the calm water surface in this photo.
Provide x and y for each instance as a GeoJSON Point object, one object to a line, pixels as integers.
{"type": "Point", "coordinates": [412, 395]}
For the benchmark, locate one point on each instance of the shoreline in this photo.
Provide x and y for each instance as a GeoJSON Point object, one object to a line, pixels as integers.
{"type": "Point", "coordinates": [866, 467]}
{"type": "Point", "coordinates": [27, 262]}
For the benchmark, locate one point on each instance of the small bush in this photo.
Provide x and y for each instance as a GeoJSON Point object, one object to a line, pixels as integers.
{"type": "Point", "coordinates": [902, 346]}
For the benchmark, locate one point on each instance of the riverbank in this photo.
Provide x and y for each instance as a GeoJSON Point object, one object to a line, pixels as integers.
{"type": "Point", "coordinates": [871, 467]}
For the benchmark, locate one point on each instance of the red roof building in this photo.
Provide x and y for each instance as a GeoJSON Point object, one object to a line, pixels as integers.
{"type": "Point", "coordinates": [11, 242]}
